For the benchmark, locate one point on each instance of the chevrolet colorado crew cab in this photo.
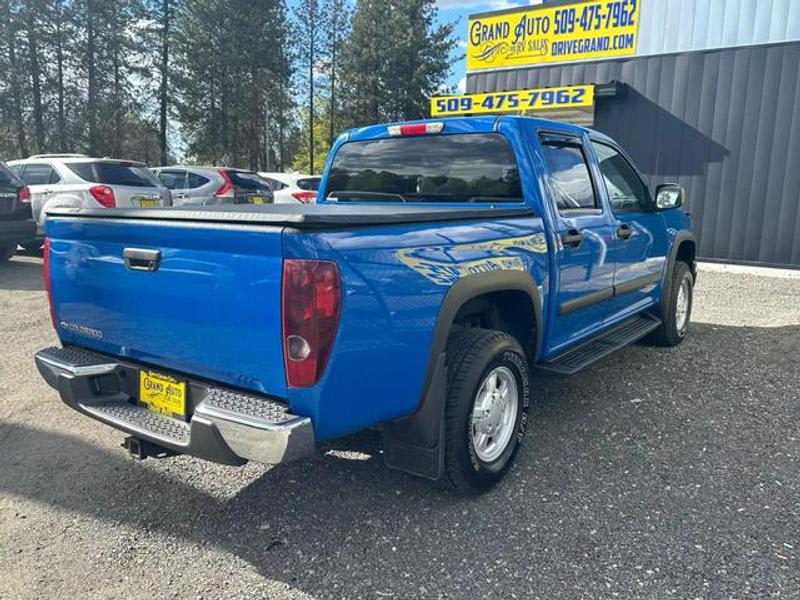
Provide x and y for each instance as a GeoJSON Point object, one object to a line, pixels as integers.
{"type": "Point", "coordinates": [445, 267]}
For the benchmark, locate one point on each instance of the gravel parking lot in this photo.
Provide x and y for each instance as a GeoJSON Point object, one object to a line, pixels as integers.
{"type": "Point", "coordinates": [655, 474]}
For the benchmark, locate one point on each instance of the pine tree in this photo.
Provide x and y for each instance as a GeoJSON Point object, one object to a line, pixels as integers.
{"type": "Point", "coordinates": [310, 30]}
{"type": "Point", "coordinates": [395, 59]}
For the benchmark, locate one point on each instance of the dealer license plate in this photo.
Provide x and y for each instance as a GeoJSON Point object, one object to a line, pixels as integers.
{"type": "Point", "coordinates": [162, 393]}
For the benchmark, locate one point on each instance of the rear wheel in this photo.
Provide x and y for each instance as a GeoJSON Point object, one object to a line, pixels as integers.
{"type": "Point", "coordinates": [678, 309]}
{"type": "Point", "coordinates": [7, 251]}
{"type": "Point", "coordinates": [487, 408]}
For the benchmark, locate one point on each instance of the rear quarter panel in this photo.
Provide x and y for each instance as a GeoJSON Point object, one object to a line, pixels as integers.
{"type": "Point", "coordinates": [394, 280]}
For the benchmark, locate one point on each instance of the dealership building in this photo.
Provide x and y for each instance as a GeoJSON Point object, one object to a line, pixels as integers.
{"type": "Point", "coordinates": [705, 93]}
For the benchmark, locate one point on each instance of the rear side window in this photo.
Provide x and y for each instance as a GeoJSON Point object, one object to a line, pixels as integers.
{"type": "Point", "coordinates": [569, 175]}
{"type": "Point", "coordinates": [310, 184]}
{"type": "Point", "coordinates": [276, 185]}
{"type": "Point", "coordinates": [476, 167]}
{"type": "Point", "coordinates": [249, 181]}
{"type": "Point", "coordinates": [112, 173]}
{"type": "Point", "coordinates": [173, 180]}
{"type": "Point", "coordinates": [196, 181]}
{"type": "Point", "coordinates": [36, 174]}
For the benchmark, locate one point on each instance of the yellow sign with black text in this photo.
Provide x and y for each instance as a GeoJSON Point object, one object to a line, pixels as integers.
{"type": "Point", "coordinates": [517, 101]}
{"type": "Point", "coordinates": [550, 34]}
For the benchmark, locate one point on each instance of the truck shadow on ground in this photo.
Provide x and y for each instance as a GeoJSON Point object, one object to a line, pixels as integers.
{"type": "Point", "coordinates": [21, 275]}
{"type": "Point", "coordinates": [628, 463]}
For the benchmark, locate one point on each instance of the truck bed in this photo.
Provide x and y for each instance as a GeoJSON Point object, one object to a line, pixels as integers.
{"type": "Point", "coordinates": [314, 216]}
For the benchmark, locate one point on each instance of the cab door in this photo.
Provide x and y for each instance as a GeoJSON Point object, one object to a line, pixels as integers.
{"type": "Point", "coordinates": [583, 226]}
{"type": "Point", "coordinates": [639, 243]}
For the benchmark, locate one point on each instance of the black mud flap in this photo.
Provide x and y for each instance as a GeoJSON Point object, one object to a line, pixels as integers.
{"type": "Point", "coordinates": [416, 444]}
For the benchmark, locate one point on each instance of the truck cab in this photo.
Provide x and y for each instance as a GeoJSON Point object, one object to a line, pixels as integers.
{"type": "Point", "coordinates": [446, 267]}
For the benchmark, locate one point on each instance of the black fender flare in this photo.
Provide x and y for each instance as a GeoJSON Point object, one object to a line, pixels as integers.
{"type": "Point", "coordinates": [683, 235]}
{"type": "Point", "coordinates": [413, 444]}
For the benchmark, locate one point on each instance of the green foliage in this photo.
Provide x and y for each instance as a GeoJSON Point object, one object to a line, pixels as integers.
{"type": "Point", "coordinates": [301, 162]}
{"type": "Point", "coordinates": [394, 60]}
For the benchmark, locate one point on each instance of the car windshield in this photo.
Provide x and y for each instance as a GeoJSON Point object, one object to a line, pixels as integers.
{"type": "Point", "coordinates": [446, 168]}
{"type": "Point", "coordinates": [114, 173]}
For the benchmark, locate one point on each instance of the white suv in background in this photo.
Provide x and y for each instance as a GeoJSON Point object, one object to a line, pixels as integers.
{"type": "Point", "coordinates": [75, 180]}
{"type": "Point", "coordinates": [291, 188]}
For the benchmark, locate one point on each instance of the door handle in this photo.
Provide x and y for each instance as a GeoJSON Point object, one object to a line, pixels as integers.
{"type": "Point", "coordinates": [572, 238]}
{"type": "Point", "coordinates": [138, 259]}
{"type": "Point", "coordinates": [624, 231]}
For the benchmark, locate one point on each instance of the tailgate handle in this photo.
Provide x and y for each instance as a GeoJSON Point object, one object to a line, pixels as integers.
{"type": "Point", "coordinates": [138, 259]}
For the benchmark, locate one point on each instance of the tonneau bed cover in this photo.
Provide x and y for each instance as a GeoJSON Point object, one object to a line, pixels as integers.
{"type": "Point", "coordinates": [313, 216]}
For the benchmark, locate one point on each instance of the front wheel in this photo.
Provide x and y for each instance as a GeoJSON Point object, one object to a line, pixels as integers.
{"type": "Point", "coordinates": [678, 308]}
{"type": "Point", "coordinates": [487, 407]}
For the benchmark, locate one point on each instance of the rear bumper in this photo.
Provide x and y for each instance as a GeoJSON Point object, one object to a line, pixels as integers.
{"type": "Point", "coordinates": [226, 426]}
{"type": "Point", "coordinates": [17, 231]}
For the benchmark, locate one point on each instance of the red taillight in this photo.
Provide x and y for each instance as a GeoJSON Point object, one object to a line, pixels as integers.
{"type": "Point", "coordinates": [24, 194]}
{"type": "Point", "coordinates": [104, 195]}
{"type": "Point", "coordinates": [226, 189]}
{"type": "Point", "coordinates": [46, 277]}
{"type": "Point", "coordinates": [310, 303]}
{"type": "Point", "coordinates": [304, 197]}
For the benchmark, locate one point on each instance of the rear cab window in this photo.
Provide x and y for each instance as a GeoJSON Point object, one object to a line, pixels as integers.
{"type": "Point", "coordinates": [114, 173]}
{"type": "Point", "coordinates": [455, 168]}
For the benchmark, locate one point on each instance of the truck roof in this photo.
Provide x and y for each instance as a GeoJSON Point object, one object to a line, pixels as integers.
{"type": "Point", "coordinates": [478, 124]}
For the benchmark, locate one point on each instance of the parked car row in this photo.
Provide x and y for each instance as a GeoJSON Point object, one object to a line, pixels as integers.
{"type": "Point", "coordinates": [77, 180]}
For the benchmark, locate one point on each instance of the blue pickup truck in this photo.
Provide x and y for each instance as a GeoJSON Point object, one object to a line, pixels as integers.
{"type": "Point", "coordinates": [446, 267]}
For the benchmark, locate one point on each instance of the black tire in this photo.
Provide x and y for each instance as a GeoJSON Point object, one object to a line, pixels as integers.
{"type": "Point", "coordinates": [7, 251]}
{"type": "Point", "coordinates": [471, 356]}
{"type": "Point", "coordinates": [669, 334]}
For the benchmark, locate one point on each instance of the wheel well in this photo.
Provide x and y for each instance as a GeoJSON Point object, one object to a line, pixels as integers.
{"type": "Point", "coordinates": [511, 311]}
{"type": "Point", "coordinates": [686, 254]}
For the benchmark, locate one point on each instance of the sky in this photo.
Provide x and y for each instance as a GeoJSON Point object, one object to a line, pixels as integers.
{"type": "Point", "coordinates": [459, 11]}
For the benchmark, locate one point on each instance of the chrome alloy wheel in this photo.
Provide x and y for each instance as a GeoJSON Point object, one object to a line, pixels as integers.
{"type": "Point", "coordinates": [682, 306]}
{"type": "Point", "coordinates": [494, 414]}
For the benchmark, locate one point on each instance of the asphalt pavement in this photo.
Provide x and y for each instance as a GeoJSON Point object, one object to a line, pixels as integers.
{"type": "Point", "coordinates": [654, 474]}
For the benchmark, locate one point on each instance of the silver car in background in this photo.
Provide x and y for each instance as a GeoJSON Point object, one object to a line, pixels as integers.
{"type": "Point", "coordinates": [205, 186]}
{"type": "Point", "coordinates": [76, 180]}
{"type": "Point", "coordinates": [293, 188]}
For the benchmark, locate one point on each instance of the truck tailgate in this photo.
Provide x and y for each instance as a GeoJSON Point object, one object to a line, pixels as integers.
{"type": "Point", "coordinates": [210, 308]}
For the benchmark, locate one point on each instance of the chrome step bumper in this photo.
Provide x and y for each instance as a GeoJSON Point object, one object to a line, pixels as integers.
{"type": "Point", "coordinates": [226, 426]}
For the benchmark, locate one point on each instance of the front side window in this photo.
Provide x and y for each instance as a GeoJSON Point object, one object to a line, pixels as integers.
{"type": "Point", "coordinates": [476, 167]}
{"type": "Point", "coordinates": [626, 190]}
{"type": "Point", "coordinates": [569, 175]}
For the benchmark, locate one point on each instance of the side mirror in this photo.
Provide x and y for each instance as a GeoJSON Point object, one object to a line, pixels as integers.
{"type": "Point", "coordinates": [669, 196]}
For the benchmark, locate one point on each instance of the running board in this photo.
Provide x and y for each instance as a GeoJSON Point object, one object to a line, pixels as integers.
{"type": "Point", "coordinates": [580, 357]}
